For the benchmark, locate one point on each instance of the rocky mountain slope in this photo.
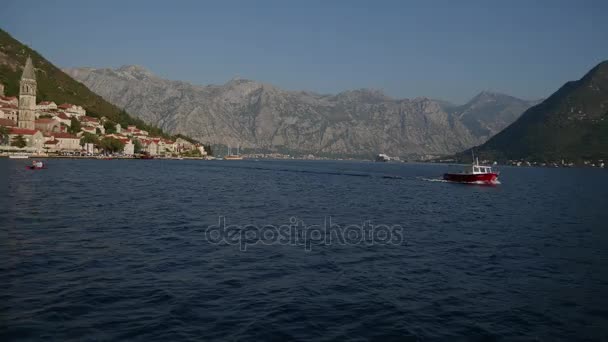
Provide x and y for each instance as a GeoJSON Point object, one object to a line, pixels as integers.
{"type": "Point", "coordinates": [265, 118]}
{"type": "Point", "coordinates": [571, 124]}
{"type": "Point", "coordinates": [489, 113]}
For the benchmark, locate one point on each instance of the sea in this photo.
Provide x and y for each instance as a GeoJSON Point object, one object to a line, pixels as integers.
{"type": "Point", "coordinates": [191, 250]}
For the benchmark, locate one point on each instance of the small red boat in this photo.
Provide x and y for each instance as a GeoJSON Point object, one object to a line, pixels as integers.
{"type": "Point", "coordinates": [31, 167]}
{"type": "Point", "coordinates": [474, 174]}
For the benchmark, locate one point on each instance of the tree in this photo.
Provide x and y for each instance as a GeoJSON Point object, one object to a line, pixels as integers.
{"type": "Point", "coordinates": [137, 146]}
{"type": "Point", "coordinates": [4, 131]}
{"type": "Point", "coordinates": [208, 149]}
{"type": "Point", "coordinates": [110, 127]}
{"type": "Point", "coordinates": [112, 145]}
{"type": "Point", "coordinates": [19, 141]}
{"type": "Point", "coordinates": [88, 138]}
{"type": "Point", "coordinates": [74, 126]}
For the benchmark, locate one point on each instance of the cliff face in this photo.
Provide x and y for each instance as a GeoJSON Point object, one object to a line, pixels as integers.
{"type": "Point", "coordinates": [260, 116]}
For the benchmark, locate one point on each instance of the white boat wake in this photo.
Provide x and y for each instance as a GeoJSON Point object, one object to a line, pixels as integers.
{"type": "Point", "coordinates": [441, 180]}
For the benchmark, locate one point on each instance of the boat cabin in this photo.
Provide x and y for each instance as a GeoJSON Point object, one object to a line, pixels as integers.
{"type": "Point", "coordinates": [470, 169]}
{"type": "Point", "coordinates": [476, 169]}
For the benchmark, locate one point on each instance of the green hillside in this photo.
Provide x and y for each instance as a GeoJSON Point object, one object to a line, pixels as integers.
{"type": "Point", "coordinates": [55, 85]}
{"type": "Point", "coordinates": [572, 124]}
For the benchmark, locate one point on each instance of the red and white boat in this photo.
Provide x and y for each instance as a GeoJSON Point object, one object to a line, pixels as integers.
{"type": "Point", "coordinates": [474, 174]}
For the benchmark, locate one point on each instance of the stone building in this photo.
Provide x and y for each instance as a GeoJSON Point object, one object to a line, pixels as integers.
{"type": "Point", "coordinates": [1, 89]}
{"type": "Point", "coordinates": [27, 97]}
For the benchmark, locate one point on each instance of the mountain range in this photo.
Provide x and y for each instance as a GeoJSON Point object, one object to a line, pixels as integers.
{"type": "Point", "coordinates": [572, 124]}
{"type": "Point", "coordinates": [265, 118]}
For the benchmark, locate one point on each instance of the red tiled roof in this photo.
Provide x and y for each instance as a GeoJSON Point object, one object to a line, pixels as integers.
{"type": "Point", "coordinates": [44, 103]}
{"type": "Point", "coordinates": [8, 98]}
{"type": "Point", "coordinates": [45, 121]}
{"type": "Point", "coordinates": [5, 105]}
{"type": "Point", "coordinates": [51, 142]}
{"type": "Point", "coordinates": [62, 135]}
{"type": "Point", "coordinates": [7, 122]}
{"type": "Point", "coordinates": [89, 118]}
{"type": "Point", "coordinates": [63, 116]}
{"type": "Point", "coordinates": [22, 131]}
{"type": "Point", "coordinates": [65, 106]}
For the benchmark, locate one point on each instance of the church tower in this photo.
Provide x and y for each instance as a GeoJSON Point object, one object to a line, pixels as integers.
{"type": "Point", "coordinates": [27, 97]}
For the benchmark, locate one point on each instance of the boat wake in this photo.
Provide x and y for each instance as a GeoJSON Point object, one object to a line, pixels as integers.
{"type": "Point", "coordinates": [441, 180]}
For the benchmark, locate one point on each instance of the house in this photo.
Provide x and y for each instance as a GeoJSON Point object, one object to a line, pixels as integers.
{"type": "Point", "coordinates": [46, 106]}
{"type": "Point", "coordinates": [8, 122]}
{"type": "Point", "coordinates": [201, 149]}
{"type": "Point", "coordinates": [48, 125]}
{"type": "Point", "coordinates": [150, 147]}
{"type": "Point", "coordinates": [63, 118]}
{"type": "Point", "coordinates": [51, 145]}
{"type": "Point", "coordinates": [88, 129]}
{"type": "Point", "coordinates": [118, 128]}
{"type": "Point", "coordinates": [67, 142]}
{"type": "Point", "coordinates": [129, 148]}
{"type": "Point", "coordinates": [34, 139]}
{"type": "Point", "coordinates": [72, 110]}
{"type": "Point", "coordinates": [183, 145]}
{"type": "Point", "coordinates": [89, 120]}
{"type": "Point", "coordinates": [12, 100]}
{"type": "Point", "coordinates": [9, 111]}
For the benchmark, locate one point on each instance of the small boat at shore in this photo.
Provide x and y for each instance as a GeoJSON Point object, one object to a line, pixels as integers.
{"type": "Point", "coordinates": [32, 167]}
{"type": "Point", "coordinates": [231, 156]}
{"type": "Point", "coordinates": [474, 174]}
{"type": "Point", "coordinates": [146, 156]}
{"type": "Point", "coordinates": [383, 158]}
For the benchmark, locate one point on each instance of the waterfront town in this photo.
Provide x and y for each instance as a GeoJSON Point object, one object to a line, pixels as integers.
{"type": "Point", "coordinates": [49, 129]}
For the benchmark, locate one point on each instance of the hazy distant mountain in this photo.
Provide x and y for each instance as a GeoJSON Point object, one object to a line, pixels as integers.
{"type": "Point", "coordinates": [256, 115]}
{"type": "Point", "coordinates": [571, 124]}
{"type": "Point", "coordinates": [489, 113]}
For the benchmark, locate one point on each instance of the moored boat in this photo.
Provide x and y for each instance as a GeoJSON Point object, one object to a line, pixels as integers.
{"type": "Point", "coordinates": [383, 158]}
{"type": "Point", "coordinates": [473, 174]}
{"type": "Point", "coordinates": [146, 156]}
{"type": "Point", "coordinates": [231, 156]}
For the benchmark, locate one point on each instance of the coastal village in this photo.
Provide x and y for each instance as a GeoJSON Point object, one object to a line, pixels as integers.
{"type": "Point", "coordinates": [49, 129]}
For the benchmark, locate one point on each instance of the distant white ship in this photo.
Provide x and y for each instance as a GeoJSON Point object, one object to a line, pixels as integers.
{"type": "Point", "coordinates": [383, 158]}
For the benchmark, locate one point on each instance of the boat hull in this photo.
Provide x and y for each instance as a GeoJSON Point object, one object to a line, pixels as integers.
{"type": "Point", "coordinates": [481, 178]}
{"type": "Point", "coordinates": [29, 167]}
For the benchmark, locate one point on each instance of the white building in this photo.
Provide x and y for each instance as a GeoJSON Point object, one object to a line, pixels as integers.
{"type": "Point", "coordinates": [46, 106]}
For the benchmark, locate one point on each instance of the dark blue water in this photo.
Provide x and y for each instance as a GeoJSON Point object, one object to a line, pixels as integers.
{"type": "Point", "coordinates": [119, 250]}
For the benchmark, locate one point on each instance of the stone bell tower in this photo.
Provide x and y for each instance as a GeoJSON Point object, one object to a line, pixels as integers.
{"type": "Point", "coordinates": [27, 97]}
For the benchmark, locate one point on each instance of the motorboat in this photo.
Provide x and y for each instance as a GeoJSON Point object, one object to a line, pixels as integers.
{"type": "Point", "coordinates": [474, 174]}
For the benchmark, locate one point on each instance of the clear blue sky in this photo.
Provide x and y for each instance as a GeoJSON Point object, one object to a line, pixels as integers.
{"type": "Point", "coordinates": [442, 49]}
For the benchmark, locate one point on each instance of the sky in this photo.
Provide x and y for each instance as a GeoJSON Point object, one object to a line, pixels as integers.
{"type": "Point", "coordinates": [448, 50]}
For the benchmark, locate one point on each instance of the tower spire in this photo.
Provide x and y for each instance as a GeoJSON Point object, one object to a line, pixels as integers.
{"type": "Point", "coordinates": [28, 70]}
